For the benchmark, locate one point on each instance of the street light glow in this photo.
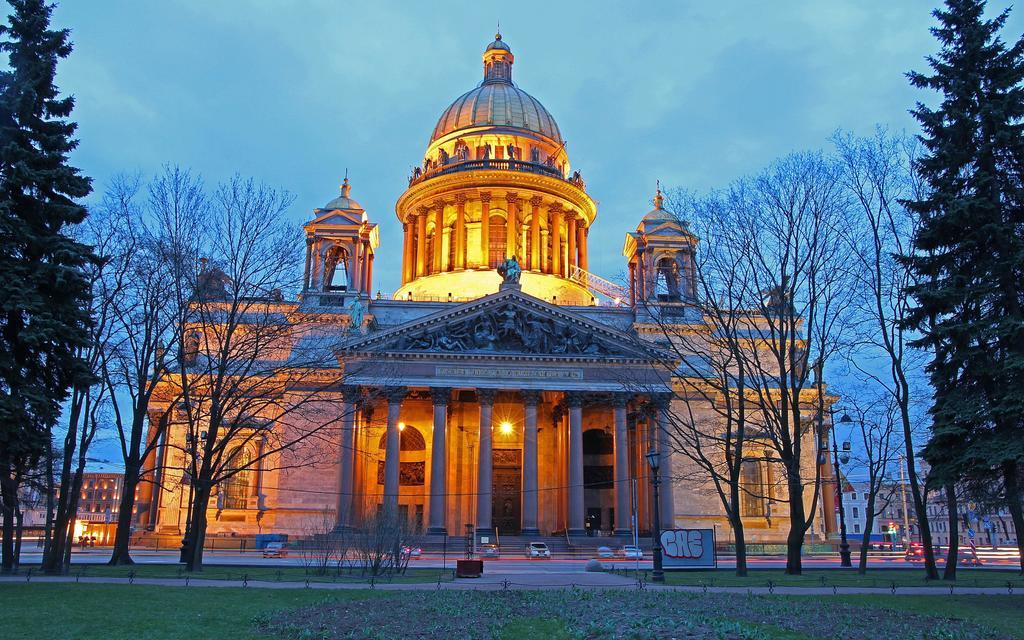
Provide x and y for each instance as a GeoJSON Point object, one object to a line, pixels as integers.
{"type": "Point", "coordinates": [505, 428]}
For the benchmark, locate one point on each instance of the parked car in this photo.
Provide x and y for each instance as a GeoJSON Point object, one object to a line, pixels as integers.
{"type": "Point", "coordinates": [490, 551]}
{"type": "Point", "coordinates": [412, 552]}
{"type": "Point", "coordinates": [275, 550]}
{"type": "Point", "coordinates": [537, 550]}
{"type": "Point", "coordinates": [605, 552]}
{"type": "Point", "coordinates": [632, 552]}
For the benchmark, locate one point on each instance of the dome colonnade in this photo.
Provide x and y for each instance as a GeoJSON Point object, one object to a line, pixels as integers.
{"type": "Point", "coordinates": [495, 183]}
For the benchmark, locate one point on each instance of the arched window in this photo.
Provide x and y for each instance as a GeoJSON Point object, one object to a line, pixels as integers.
{"type": "Point", "coordinates": [428, 258]}
{"type": "Point", "coordinates": [452, 235]}
{"type": "Point", "coordinates": [236, 488]}
{"type": "Point", "coordinates": [755, 489]}
{"type": "Point", "coordinates": [497, 238]}
{"type": "Point", "coordinates": [667, 286]}
{"type": "Point", "coordinates": [410, 440]}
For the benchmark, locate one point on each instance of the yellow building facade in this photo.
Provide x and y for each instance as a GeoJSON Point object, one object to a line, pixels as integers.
{"type": "Point", "coordinates": [502, 386]}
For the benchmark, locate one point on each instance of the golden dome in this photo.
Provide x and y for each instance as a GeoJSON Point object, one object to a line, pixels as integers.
{"type": "Point", "coordinates": [497, 101]}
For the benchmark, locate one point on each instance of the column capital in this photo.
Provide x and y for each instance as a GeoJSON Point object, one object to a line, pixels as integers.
{"type": "Point", "coordinates": [570, 215]}
{"type": "Point", "coordinates": [512, 197]}
{"type": "Point", "coordinates": [574, 399]}
{"type": "Point", "coordinates": [395, 394]}
{"type": "Point", "coordinates": [351, 393]}
{"type": "Point", "coordinates": [536, 201]}
{"type": "Point", "coordinates": [461, 198]}
{"type": "Point", "coordinates": [555, 207]}
{"type": "Point", "coordinates": [487, 396]}
{"type": "Point", "coordinates": [440, 395]}
{"type": "Point", "coordinates": [485, 196]}
{"type": "Point", "coordinates": [620, 398]}
{"type": "Point", "coordinates": [531, 398]}
{"type": "Point", "coordinates": [438, 204]}
{"type": "Point", "coordinates": [422, 210]}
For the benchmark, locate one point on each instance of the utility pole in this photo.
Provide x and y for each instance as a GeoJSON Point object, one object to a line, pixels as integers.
{"type": "Point", "coordinates": [906, 516]}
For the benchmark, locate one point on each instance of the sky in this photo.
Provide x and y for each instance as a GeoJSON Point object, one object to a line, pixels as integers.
{"type": "Point", "coordinates": [694, 94]}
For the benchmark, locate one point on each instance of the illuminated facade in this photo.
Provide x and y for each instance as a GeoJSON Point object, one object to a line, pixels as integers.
{"type": "Point", "coordinates": [469, 398]}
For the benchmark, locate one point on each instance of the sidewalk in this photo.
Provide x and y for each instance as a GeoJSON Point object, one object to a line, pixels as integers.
{"type": "Point", "coordinates": [520, 581]}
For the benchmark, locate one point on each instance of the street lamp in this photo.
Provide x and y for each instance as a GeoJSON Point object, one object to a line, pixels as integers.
{"type": "Point", "coordinates": [654, 460]}
{"type": "Point", "coordinates": [844, 544]}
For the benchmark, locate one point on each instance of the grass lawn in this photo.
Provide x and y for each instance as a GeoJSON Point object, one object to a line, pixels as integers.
{"type": "Point", "coordinates": [847, 578]}
{"type": "Point", "coordinates": [236, 572]}
{"type": "Point", "coordinates": [1004, 614]}
{"type": "Point", "coordinates": [123, 612]}
{"type": "Point", "coordinates": [137, 612]}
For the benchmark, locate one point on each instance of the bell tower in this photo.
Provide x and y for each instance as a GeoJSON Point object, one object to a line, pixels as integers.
{"type": "Point", "coordinates": [340, 246]}
{"type": "Point", "coordinates": [660, 254]}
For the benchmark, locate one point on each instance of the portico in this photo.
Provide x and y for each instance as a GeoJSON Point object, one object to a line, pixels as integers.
{"type": "Point", "coordinates": [495, 425]}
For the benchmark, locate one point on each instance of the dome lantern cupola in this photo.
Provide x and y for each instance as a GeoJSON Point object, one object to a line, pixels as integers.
{"type": "Point", "coordinates": [498, 61]}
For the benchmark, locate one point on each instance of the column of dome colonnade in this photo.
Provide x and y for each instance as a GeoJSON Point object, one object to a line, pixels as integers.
{"type": "Point", "coordinates": [566, 409]}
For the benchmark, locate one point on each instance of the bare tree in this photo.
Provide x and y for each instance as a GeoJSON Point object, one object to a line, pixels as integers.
{"type": "Point", "coordinates": [878, 174]}
{"type": "Point", "coordinates": [873, 425]}
{"type": "Point", "coordinates": [713, 409]}
{"type": "Point", "coordinates": [251, 376]}
{"type": "Point", "coordinates": [325, 546]}
{"type": "Point", "coordinates": [106, 278]}
{"type": "Point", "coordinates": [793, 312]}
{"type": "Point", "coordinates": [381, 541]}
{"type": "Point", "coordinates": [145, 323]}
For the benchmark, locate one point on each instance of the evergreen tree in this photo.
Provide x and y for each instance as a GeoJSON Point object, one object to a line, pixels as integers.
{"type": "Point", "coordinates": [43, 294]}
{"type": "Point", "coordinates": [969, 254]}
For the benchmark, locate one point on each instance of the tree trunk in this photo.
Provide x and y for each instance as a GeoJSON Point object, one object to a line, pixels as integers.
{"type": "Point", "coordinates": [797, 526]}
{"type": "Point", "coordinates": [121, 554]}
{"type": "Point", "coordinates": [51, 484]}
{"type": "Point", "coordinates": [9, 496]}
{"type": "Point", "coordinates": [741, 547]}
{"type": "Point", "coordinates": [63, 525]}
{"type": "Point", "coordinates": [197, 532]}
{"type": "Point", "coordinates": [19, 527]}
{"type": "Point", "coordinates": [920, 508]}
{"type": "Point", "coordinates": [954, 533]}
{"type": "Point", "coordinates": [1011, 477]}
{"type": "Point", "coordinates": [865, 542]}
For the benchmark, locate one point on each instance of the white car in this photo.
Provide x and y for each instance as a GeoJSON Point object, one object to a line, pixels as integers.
{"type": "Point", "coordinates": [632, 552]}
{"type": "Point", "coordinates": [605, 552]}
{"type": "Point", "coordinates": [275, 550]}
{"type": "Point", "coordinates": [537, 550]}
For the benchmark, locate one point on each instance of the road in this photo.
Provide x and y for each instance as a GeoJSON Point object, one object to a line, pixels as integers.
{"type": "Point", "coordinates": [991, 560]}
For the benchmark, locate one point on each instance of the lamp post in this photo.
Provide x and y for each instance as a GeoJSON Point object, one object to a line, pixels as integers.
{"type": "Point", "coordinates": [186, 543]}
{"type": "Point", "coordinates": [654, 460]}
{"type": "Point", "coordinates": [844, 544]}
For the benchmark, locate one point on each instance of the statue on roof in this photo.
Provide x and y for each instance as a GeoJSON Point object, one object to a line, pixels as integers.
{"type": "Point", "coordinates": [510, 270]}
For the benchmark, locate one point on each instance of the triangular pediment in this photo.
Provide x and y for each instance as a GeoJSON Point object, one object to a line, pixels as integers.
{"type": "Point", "coordinates": [336, 217]}
{"type": "Point", "coordinates": [506, 323]}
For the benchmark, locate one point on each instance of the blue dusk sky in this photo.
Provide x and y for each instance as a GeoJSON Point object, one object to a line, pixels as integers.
{"type": "Point", "coordinates": [695, 94]}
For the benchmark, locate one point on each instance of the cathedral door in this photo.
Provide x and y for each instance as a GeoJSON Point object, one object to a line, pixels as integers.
{"type": "Point", "coordinates": [506, 501]}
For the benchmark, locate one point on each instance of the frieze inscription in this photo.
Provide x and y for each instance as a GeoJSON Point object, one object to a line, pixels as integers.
{"type": "Point", "coordinates": [508, 373]}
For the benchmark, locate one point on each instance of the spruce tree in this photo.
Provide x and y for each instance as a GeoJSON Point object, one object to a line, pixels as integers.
{"type": "Point", "coordinates": [969, 254]}
{"type": "Point", "coordinates": [43, 294]}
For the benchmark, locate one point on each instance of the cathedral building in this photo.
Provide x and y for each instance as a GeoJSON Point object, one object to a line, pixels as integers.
{"type": "Point", "coordinates": [503, 385]}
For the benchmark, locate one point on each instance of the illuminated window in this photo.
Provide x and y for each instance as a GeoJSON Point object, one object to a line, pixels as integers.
{"type": "Point", "coordinates": [236, 488]}
{"type": "Point", "coordinates": [496, 239]}
{"type": "Point", "coordinates": [754, 494]}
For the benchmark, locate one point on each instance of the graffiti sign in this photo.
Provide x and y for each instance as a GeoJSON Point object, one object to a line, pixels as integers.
{"type": "Point", "coordinates": [688, 548]}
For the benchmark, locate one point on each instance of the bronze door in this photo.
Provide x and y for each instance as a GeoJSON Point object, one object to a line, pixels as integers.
{"type": "Point", "coordinates": [506, 501]}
